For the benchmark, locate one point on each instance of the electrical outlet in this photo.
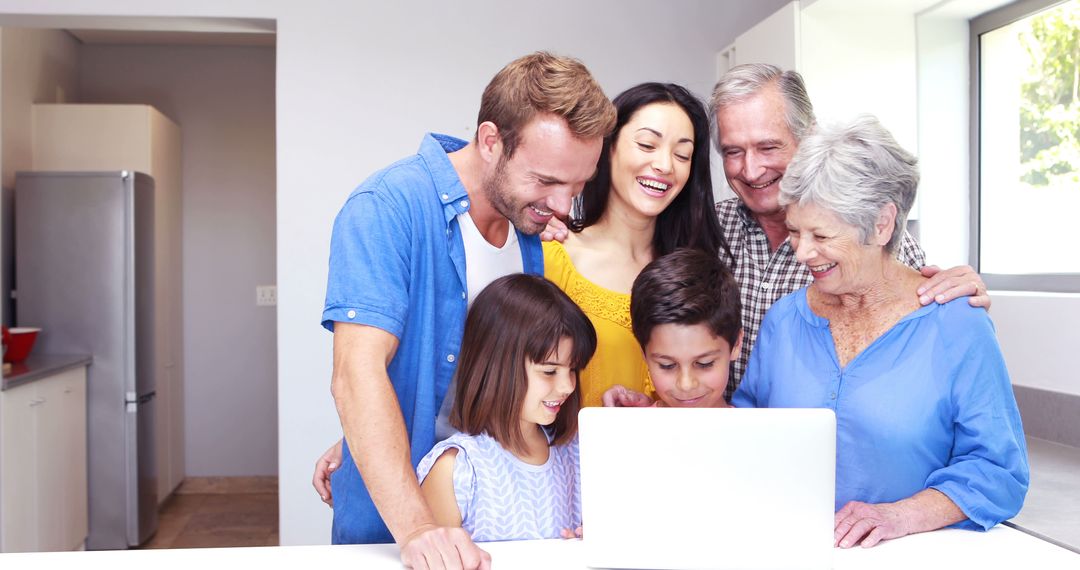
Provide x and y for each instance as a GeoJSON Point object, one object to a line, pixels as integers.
{"type": "Point", "coordinates": [266, 295]}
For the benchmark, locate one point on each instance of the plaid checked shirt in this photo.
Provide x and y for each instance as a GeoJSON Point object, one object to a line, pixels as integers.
{"type": "Point", "coordinates": [765, 276]}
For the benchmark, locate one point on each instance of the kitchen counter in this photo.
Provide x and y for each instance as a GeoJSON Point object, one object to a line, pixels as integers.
{"type": "Point", "coordinates": [1001, 547]}
{"type": "Point", "coordinates": [1052, 508]}
{"type": "Point", "coordinates": [39, 366]}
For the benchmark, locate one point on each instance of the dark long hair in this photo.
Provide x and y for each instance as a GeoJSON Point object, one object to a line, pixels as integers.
{"type": "Point", "coordinates": [516, 318]}
{"type": "Point", "coordinates": [690, 219]}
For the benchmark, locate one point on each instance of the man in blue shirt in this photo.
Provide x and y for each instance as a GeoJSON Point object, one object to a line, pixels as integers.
{"type": "Point", "coordinates": [408, 249]}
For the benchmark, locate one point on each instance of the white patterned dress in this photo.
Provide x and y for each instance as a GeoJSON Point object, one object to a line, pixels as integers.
{"type": "Point", "coordinates": [503, 498]}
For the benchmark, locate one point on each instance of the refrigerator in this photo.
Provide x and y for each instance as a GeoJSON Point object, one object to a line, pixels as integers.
{"type": "Point", "coordinates": [84, 247]}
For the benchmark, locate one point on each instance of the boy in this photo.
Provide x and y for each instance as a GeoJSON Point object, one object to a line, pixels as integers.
{"type": "Point", "coordinates": [685, 314]}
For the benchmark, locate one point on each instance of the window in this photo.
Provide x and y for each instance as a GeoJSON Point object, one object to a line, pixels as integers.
{"type": "Point", "coordinates": [1027, 124]}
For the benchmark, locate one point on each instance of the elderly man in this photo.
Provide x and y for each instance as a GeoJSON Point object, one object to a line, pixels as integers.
{"type": "Point", "coordinates": [761, 114]}
{"type": "Point", "coordinates": [399, 283]}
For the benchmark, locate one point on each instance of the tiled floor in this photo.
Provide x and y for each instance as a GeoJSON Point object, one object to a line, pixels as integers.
{"type": "Point", "coordinates": [213, 512]}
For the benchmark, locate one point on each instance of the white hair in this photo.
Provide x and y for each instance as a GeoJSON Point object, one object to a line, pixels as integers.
{"type": "Point", "coordinates": [744, 81]}
{"type": "Point", "coordinates": [853, 170]}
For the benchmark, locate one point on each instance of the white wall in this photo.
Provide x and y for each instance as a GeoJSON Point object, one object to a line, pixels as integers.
{"type": "Point", "coordinates": [223, 100]}
{"type": "Point", "coordinates": [859, 57]}
{"type": "Point", "coordinates": [944, 133]}
{"type": "Point", "coordinates": [39, 66]}
{"type": "Point", "coordinates": [357, 85]}
{"type": "Point", "coordinates": [1039, 334]}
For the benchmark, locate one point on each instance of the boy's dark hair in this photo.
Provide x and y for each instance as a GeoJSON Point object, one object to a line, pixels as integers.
{"type": "Point", "coordinates": [514, 319]}
{"type": "Point", "coordinates": [686, 287]}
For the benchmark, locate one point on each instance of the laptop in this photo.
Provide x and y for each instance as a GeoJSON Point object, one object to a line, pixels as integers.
{"type": "Point", "coordinates": [707, 488]}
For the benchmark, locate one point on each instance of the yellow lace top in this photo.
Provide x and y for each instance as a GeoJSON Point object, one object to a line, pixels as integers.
{"type": "Point", "coordinates": [618, 358]}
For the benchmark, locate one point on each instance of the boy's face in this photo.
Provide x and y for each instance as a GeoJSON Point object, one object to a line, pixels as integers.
{"type": "Point", "coordinates": [689, 365]}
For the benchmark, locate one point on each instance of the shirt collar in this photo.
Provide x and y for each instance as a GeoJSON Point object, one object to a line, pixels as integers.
{"type": "Point", "coordinates": [746, 217]}
{"type": "Point", "coordinates": [434, 149]}
{"type": "Point", "coordinates": [751, 224]}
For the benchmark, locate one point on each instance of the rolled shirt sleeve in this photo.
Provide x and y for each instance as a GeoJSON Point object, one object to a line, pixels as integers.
{"type": "Point", "coordinates": [369, 265]}
{"type": "Point", "coordinates": [987, 475]}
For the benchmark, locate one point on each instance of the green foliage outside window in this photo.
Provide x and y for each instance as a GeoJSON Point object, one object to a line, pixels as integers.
{"type": "Point", "coordinates": [1050, 105]}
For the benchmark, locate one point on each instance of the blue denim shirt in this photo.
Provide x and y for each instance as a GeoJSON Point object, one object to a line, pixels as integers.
{"type": "Point", "coordinates": [397, 262]}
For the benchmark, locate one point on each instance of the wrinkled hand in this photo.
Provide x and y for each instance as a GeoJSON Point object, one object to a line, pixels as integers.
{"type": "Point", "coordinates": [945, 285]}
{"type": "Point", "coordinates": [556, 230]}
{"type": "Point", "coordinates": [324, 467]}
{"type": "Point", "coordinates": [443, 548]}
{"type": "Point", "coordinates": [619, 396]}
{"type": "Point", "coordinates": [869, 523]}
{"type": "Point", "coordinates": [571, 533]}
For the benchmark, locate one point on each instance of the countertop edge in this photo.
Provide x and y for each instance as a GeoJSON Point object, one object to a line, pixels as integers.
{"type": "Point", "coordinates": [44, 366]}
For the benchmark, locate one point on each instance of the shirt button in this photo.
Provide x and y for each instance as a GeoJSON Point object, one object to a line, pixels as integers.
{"type": "Point", "coordinates": [450, 358]}
{"type": "Point", "coordinates": [445, 196]}
{"type": "Point", "coordinates": [464, 203]}
{"type": "Point", "coordinates": [765, 286]}
{"type": "Point", "coordinates": [462, 294]}
{"type": "Point", "coordinates": [832, 396]}
{"type": "Point", "coordinates": [351, 314]}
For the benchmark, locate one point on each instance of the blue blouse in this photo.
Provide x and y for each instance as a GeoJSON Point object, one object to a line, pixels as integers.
{"type": "Point", "coordinates": [928, 404]}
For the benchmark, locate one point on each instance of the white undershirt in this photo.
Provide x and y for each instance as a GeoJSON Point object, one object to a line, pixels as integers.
{"type": "Point", "coordinates": [484, 263]}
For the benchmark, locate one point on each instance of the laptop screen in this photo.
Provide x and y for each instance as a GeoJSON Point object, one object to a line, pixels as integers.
{"type": "Point", "coordinates": [707, 488]}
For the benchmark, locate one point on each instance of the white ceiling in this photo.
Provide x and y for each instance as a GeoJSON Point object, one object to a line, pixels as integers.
{"type": "Point", "coordinates": [154, 30]}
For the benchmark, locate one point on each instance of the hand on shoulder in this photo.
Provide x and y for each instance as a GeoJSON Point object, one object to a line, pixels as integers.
{"type": "Point", "coordinates": [942, 286]}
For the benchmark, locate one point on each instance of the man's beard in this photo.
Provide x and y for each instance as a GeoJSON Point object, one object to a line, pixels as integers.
{"type": "Point", "coordinates": [498, 193]}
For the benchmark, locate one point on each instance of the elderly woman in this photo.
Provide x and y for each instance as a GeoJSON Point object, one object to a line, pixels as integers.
{"type": "Point", "coordinates": [928, 434]}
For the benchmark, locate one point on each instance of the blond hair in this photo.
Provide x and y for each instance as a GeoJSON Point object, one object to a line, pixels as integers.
{"type": "Point", "coordinates": [542, 83]}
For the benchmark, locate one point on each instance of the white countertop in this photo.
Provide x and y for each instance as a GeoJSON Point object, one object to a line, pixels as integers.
{"type": "Point", "coordinates": [1001, 547]}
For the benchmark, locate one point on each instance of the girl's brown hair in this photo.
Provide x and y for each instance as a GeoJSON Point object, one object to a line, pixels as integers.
{"type": "Point", "coordinates": [516, 319]}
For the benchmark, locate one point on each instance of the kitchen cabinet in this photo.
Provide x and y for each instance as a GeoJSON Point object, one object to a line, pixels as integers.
{"type": "Point", "coordinates": [43, 475]}
{"type": "Point", "coordinates": [82, 137]}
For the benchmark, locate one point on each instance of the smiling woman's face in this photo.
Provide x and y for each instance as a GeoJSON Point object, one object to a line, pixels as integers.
{"type": "Point", "coordinates": [651, 157]}
{"type": "Point", "coordinates": [839, 260]}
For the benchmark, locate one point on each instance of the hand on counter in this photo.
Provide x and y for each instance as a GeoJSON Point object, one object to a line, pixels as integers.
{"type": "Point", "coordinates": [443, 548]}
{"type": "Point", "coordinates": [924, 511]}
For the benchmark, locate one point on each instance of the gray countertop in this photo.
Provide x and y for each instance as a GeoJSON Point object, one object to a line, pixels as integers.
{"type": "Point", "coordinates": [40, 366]}
{"type": "Point", "coordinates": [1052, 508]}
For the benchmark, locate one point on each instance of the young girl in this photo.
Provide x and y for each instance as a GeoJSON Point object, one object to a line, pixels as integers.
{"type": "Point", "coordinates": [512, 472]}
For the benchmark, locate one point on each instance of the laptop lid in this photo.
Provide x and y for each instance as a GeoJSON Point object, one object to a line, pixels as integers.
{"type": "Point", "coordinates": [707, 488]}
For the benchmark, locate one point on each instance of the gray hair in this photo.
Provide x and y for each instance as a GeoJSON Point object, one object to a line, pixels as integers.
{"type": "Point", "coordinates": [853, 170]}
{"type": "Point", "coordinates": [744, 81]}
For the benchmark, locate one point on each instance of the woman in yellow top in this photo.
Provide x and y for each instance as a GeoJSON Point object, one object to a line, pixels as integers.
{"type": "Point", "coordinates": [652, 193]}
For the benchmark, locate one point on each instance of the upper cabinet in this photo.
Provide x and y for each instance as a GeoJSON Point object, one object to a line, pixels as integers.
{"type": "Point", "coordinates": [80, 137]}
{"type": "Point", "coordinates": [773, 40]}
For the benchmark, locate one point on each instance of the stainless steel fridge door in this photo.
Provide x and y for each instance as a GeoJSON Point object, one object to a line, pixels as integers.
{"type": "Point", "coordinates": [84, 267]}
{"type": "Point", "coordinates": [141, 470]}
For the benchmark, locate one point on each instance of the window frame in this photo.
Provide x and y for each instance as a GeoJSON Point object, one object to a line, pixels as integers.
{"type": "Point", "coordinates": [1048, 282]}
